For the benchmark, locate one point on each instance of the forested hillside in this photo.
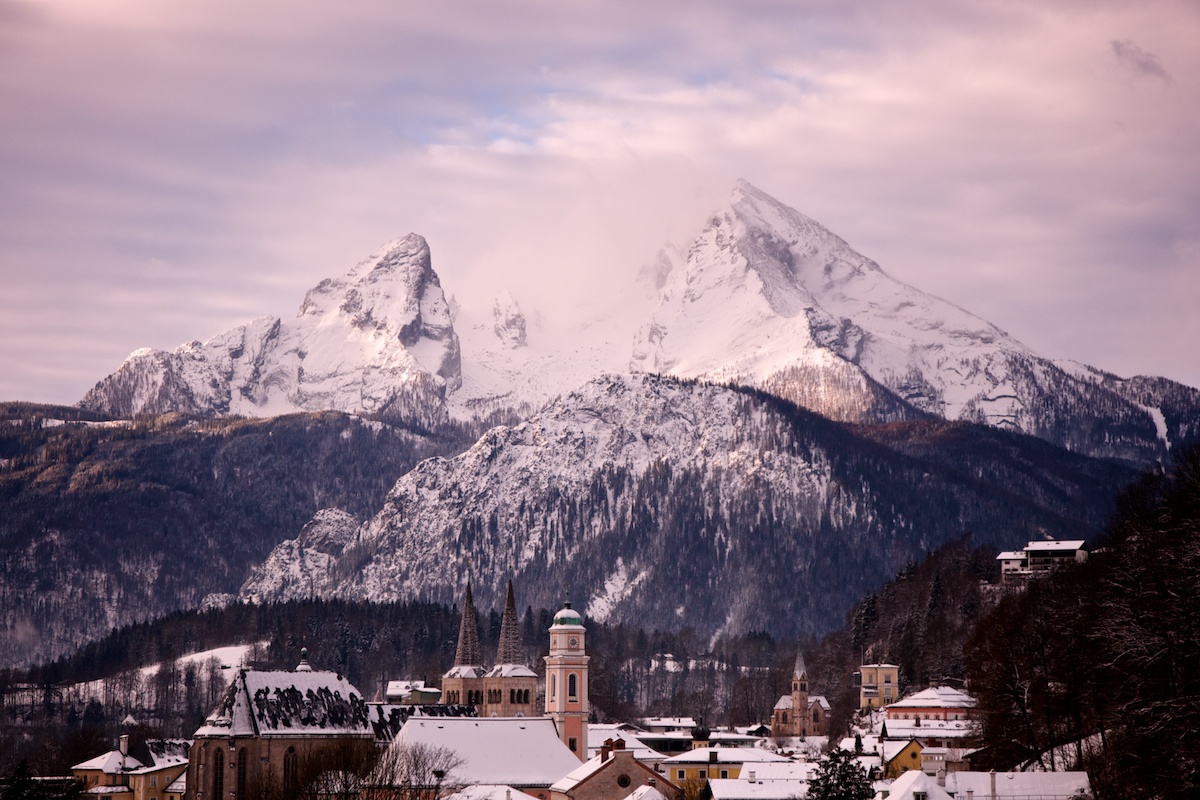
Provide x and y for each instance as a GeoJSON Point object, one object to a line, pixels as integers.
{"type": "Point", "coordinates": [106, 522]}
{"type": "Point", "coordinates": [1095, 665]}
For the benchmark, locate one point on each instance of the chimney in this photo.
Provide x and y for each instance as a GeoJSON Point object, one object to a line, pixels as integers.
{"type": "Point", "coordinates": [606, 750]}
{"type": "Point", "coordinates": [751, 779]}
{"type": "Point", "coordinates": [941, 777]}
{"type": "Point", "coordinates": [970, 794]}
{"type": "Point", "coordinates": [124, 744]}
{"type": "Point", "coordinates": [992, 775]}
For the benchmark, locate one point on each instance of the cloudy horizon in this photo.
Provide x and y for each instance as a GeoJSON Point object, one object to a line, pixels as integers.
{"type": "Point", "coordinates": [174, 169]}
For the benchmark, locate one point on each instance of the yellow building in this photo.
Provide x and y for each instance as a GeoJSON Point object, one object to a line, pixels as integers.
{"type": "Point", "coordinates": [705, 763]}
{"type": "Point", "coordinates": [878, 685]}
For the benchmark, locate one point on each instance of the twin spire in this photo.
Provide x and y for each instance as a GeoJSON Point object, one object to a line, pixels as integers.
{"type": "Point", "coordinates": [510, 650]}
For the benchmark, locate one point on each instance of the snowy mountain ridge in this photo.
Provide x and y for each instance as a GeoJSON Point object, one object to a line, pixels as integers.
{"type": "Point", "coordinates": [377, 340]}
{"type": "Point", "coordinates": [635, 481]}
{"type": "Point", "coordinates": [764, 296]}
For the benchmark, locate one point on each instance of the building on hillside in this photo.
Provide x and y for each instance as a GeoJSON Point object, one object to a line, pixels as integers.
{"type": "Point", "coordinates": [524, 753]}
{"type": "Point", "coordinates": [878, 685]}
{"type": "Point", "coordinates": [798, 714]}
{"type": "Point", "coordinates": [612, 774]}
{"type": "Point", "coordinates": [268, 723]}
{"type": "Point", "coordinates": [1038, 558]}
{"type": "Point", "coordinates": [707, 763]}
{"type": "Point", "coordinates": [121, 774]}
{"type": "Point", "coordinates": [567, 680]}
{"type": "Point", "coordinates": [109, 770]}
{"type": "Point", "coordinates": [508, 689]}
{"type": "Point", "coordinates": [935, 703]}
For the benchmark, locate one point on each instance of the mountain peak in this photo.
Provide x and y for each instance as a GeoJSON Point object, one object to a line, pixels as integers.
{"type": "Point", "coordinates": [378, 339]}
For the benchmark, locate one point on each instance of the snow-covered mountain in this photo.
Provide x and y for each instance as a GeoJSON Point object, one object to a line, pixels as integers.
{"type": "Point", "coordinates": [672, 502]}
{"type": "Point", "coordinates": [763, 297]}
{"type": "Point", "coordinates": [379, 340]}
{"type": "Point", "coordinates": [767, 297]}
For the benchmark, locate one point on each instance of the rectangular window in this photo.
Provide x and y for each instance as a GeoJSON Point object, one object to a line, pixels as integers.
{"type": "Point", "coordinates": [571, 743]}
{"type": "Point", "coordinates": [703, 774]}
{"type": "Point", "coordinates": [679, 774]}
{"type": "Point", "coordinates": [724, 773]}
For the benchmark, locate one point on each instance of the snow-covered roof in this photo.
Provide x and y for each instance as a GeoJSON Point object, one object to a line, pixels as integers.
{"type": "Point", "coordinates": [600, 733]}
{"type": "Point", "coordinates": [1011, 555]}
{"type": "Point", "coordinates": [724, 755]}
{"type": "Point", "coordinates": [288, 703]}
{"type": "Point", "coordinates": [1056, 545]}
{"type": "Point", "coordinates": [490, 791]}
{"type": "Point", "coordinates": [580, 774]}
{"type": "Point", "coordinates": [514, 751]}
{"type": "Point", "coordinates": [111, 763]}
{"type": "Point", "coordinates": [667, 723]}
{"type": "Point", "coordinates": [464, 671]}
{"type": "Point", "coordinates": [905, 787]}
{"type": "Point", "coordinates": [109, 790]}
{"type": "Point", "coordinates": [646, 792]}
{"type": "Point", "coordinates": [880, 666]}
{"type": "Point", "coordinates": [784, 703]}
{"type": "Point", "coordinates": [935, 697]}
{"type": "Point", "coordinates": [179, 785]}
{"type": "Point", "coordinates": [168, 752]}
{"type": "Point", "coordinates": [1048, 785]}
{"type": "Point", "coordinates": [511, 671]}
{"type": "Point", "coordinates": [738, 789]}
{"type": "Point", "coordinates": [932, 728]}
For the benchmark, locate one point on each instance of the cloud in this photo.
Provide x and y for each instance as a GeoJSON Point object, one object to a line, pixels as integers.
{"type": "Point", "coordinates": [1138, 61]}
{"type": "Point", "coordinates": [980, 151]}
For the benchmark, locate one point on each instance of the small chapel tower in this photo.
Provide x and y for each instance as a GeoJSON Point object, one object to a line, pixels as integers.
{"type": "Point", "coordinates": [567, 680]}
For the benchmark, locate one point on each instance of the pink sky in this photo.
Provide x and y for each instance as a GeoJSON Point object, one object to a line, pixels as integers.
{"type": "Point", "coordinates": [173, 168]}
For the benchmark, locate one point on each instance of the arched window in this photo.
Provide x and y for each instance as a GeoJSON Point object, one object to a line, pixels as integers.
{"type": "Point", "coordinates": [218, 775]}
{"type": "Point", "coordinates": [241, 773]}
{"type": "Point", "coordinates": [816, 716]}
{"type": "Point", "coordinates": [572, 686]}
{"type": "Point", "coordinates": [289, 770]}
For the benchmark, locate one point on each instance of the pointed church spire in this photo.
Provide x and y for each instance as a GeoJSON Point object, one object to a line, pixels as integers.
{"type": "Point", "coordinates": [799, 672]}
{"type": "Point", "coordinates": [510, 650]}
{"type": "Point", "coordinates": [468, 654]}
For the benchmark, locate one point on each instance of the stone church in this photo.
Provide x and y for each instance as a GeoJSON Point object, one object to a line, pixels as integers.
{"type": "Point", "coordinates": [798, 713]}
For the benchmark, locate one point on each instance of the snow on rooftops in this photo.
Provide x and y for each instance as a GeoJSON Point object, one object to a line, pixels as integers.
{"type": "Point", "coordinates": [288, 703]}
{"type": "Point", "coordinates": [1048, 785]}
{"type": "Point", "coordinates": [490, 791]}
{"type": "Point", "coordinates": [1011, 555]}
{"type": "Point", "coordinates": [599, 733]}
{"type": "Point", "coordinates": [178, 785]}
{"type": "Point", "coordinates": [512, 751]}
{"type": "Point", "coordinates": [936, 697]}
{"type": "Point", "coordinates": [511, 671]}
{"type": "Point", "coordinates": [388, 718]}
{"type": "Point", "coordinates": [165, 752]}
{"type": "Point", "coordinates": [1071, 544]}
{"type": "Point", "coordinates": [111, 763]}
{"type": "Point", "coordinates": [667, 724]}
{"type": "Point", "coordinates": [646, 792]}
{"type": "Point", "coordinates": [724, 755]}
{"type": "Point", "coordinates": [913, 782]}
{"type": "Point", "coordinates": [737, 789]}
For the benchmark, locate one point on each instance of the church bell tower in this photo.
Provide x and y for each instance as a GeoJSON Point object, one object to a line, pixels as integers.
{"type": "Point", "coordinates": [567, 680]}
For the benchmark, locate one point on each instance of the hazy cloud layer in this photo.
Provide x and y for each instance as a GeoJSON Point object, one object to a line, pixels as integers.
{"type": "Point", "coordinates": [173, 168]}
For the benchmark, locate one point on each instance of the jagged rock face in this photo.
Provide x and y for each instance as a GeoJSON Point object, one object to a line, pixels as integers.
{"type": "Point", "coordinates": [377, 340]}
{"type": "Point", "coordinates": [510, 322]}
{"type": "Point", "coordinates": [767, 297]}
{"type": "Point", "coordinates": [647, 495]}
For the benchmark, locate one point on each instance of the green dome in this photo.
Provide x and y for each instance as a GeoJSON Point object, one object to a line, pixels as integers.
{"type": "Point", "coordinates": [568, 616]}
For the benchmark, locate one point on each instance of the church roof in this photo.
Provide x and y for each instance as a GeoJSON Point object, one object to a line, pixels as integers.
{"type": "Point", "coordinates": [288, 703]}
{"type": "Point", "coordinates": [799, 670]}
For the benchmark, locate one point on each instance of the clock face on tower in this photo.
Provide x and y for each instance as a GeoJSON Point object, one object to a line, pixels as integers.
{"type": "Point", "coordinates": [572, 642]}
